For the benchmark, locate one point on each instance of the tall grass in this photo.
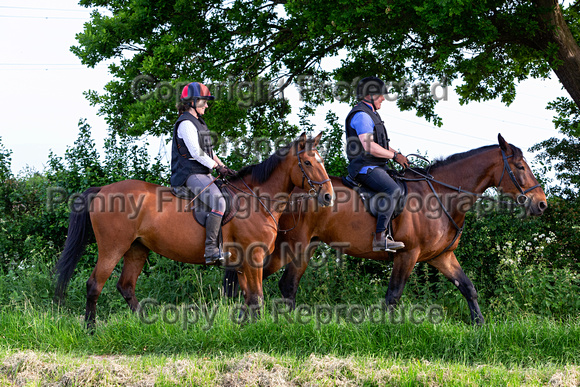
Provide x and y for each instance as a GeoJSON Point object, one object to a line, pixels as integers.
{"type": "Point", "coordinates": [520, 341]}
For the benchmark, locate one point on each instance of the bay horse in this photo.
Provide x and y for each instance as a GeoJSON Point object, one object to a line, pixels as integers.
{"type": "Point", "coordinates": [430, 224]}
{"type": "Point", "coordinates": [131, 217]}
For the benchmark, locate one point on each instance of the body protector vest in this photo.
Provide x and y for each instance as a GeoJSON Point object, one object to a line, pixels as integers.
{"type": "Point", "coordinates": [181, 165]}
{"type": "Point", "coordinates": [355, 152]}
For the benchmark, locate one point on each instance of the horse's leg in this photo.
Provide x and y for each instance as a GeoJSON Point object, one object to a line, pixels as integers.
{"type": "Point", "coordinates": [448, 265]}
{"type": "Point", "coordinates": [403, 265]}
{"type": "Point", "coordinates": [250, 284]}
{"type": "Point", "coordinates": [230, 283]}
{"type": "Point", "coordinates": [133, 262]}
{"type": "Point", "coordinates": [290, 252]}
{"type": "Point", "coordinates": [251, 281]}
{"type": "Point", "coordinates": [288, 284]}
{"type": "Point", "coordinates": [274, 263]}
{"type": "Point", "coordinates": [106, 262]}
{"type": "Point", "coordinates": [242, 282]}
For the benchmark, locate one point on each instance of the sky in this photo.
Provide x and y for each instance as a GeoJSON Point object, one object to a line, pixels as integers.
{"type": "Point", "coordinates": [42, 101]}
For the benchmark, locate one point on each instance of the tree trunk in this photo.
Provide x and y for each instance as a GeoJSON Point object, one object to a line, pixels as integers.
{"type": "Point", "coordinates": [556, 31]}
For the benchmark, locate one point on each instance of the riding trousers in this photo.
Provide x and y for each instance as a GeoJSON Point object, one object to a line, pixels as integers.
{"type": "Point", "coordinates": [211, 196]}
{"type": "Point", "coordinates": [388, 195]}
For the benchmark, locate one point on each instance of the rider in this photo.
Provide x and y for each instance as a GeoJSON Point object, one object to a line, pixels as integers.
{"type": "Point", "coordinates": [192, 159]}
{"type": "Point", "coordinates": [368, 151]}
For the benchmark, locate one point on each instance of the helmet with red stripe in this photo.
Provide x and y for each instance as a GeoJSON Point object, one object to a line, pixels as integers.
{"type": "Point", "coordinates": [194, 91]}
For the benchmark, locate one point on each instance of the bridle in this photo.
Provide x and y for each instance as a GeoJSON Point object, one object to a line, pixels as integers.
{"type": "Point", "coordinates": [521, 199]}
{"type": "Point", "coordinates": [312, 192]}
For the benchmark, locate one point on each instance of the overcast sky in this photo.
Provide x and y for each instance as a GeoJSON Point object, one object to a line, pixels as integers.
{"type": "Point", "coordinates": [42, 85]}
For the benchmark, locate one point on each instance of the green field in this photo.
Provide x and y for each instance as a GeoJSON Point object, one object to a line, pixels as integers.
{"type": "Point", "coordinates": [52, 347]}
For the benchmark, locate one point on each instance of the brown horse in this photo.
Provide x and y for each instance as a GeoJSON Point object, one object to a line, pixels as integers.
{"type": "Point", "coordinates": [430, 225]}
{"type": "Point", "coordinates": [132, 217]}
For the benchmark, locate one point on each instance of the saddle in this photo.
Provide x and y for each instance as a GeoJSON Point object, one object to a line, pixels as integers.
{"type": "Point", "coordinates": [200, 210]}
{"type": "Point", "coordinates": [366, 194]}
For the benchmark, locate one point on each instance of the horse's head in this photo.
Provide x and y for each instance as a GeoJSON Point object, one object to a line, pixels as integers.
{"type": "Point", "coordinates": [518, 181]}
{"type": "Point", "coordinates": [309, 172]}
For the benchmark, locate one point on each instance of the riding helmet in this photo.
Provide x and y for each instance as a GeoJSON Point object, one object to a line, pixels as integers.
{"type": "Point", "coordinates": [370, 86]}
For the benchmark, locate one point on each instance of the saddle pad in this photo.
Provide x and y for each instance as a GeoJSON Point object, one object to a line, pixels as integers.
{"type": "Point", "coordinates": [366, 194]}
{"type": "Point", "coordinates": [200, 210]}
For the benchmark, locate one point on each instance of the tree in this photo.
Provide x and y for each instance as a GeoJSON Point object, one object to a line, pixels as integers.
{"type": "Point", "coordinates": [82, 167]}
{"type": "Point", "coordinates": [5, 162]}
{"type": "Point", "coordinates": [562, 155]}
{"type": "Point", "coordinates": [243, 45]}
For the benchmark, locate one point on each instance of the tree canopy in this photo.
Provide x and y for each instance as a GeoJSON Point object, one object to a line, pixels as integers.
{"type": "Point", "coordinates": [248, 52]}
{"type": "Point", "coordinates": [487, 45]}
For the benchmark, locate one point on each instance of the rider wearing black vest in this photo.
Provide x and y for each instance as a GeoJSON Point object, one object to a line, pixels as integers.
{"type": "Point", "coordinates": [193, 158]}
{"type": "Point", "coordinates": [182, 163]}
{"type": "Point", "coordinates": [368, 150]}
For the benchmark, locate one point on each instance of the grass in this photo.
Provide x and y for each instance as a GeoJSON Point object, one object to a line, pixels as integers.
{"type": "Point", "coordinates": [261, 369]}
{"type": "Point", "coordinates": [520, 341]}
{"type": "Point", "coordinates": [41, 344]}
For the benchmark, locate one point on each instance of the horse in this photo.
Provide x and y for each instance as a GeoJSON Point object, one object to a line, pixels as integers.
{"type": "Point", "coordinates": [430, 224]}
{"type": "Point", "coordinates": [130, 218]}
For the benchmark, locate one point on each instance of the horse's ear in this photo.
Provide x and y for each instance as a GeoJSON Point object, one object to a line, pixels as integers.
{"type": "Point", "coordinates": [302, 141]}
{"type": "Point", "coordinates": [503, 144]}
{"type": "Point", "coordinates": [317, 139]}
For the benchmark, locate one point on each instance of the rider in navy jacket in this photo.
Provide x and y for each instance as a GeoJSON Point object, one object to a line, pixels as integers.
{"type": "Point", "coordinates": [368, 150]}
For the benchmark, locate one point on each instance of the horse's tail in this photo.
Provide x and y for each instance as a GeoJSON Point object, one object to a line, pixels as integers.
{"type": "Point", "coordinates": [79, 231]}
{"type": "Point", "coordinates": [230, 283]}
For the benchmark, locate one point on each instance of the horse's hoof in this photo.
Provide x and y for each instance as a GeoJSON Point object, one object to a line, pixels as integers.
{"type": "Point", "coordinates": [91, 329]}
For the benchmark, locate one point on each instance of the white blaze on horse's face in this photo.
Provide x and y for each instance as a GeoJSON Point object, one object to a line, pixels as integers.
{"type": "Point", "coordinates": [318, 158]}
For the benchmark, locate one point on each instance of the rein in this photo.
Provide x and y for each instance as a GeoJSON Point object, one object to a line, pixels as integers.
{"type": "Point", "coordinates": [429, 179]}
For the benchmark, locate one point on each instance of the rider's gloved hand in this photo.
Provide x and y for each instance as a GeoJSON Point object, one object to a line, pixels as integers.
{"type": "Point", "coordinates": [401, 159]}
{"type": "Point", "coordinates": [225, 171]}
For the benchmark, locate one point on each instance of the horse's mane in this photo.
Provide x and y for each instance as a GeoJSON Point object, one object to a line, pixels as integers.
{"type": "Point", "coordinates": [262, 171]}
{"type": "Point", "coordinates": [438, 163]}
{"type": "Point", "coordinates": [462, 156]}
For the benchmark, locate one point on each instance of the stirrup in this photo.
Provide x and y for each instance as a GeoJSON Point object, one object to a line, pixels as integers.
{"type": "Point", "coordinates": [214, 260]}
{"type": "Point", "coordinates": [384, 247]}
{"type": "Point", "coordinates": [386, 250]}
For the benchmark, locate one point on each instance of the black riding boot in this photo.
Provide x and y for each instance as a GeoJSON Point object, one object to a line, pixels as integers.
{"type": "Point", "coordinates": [212, 231]}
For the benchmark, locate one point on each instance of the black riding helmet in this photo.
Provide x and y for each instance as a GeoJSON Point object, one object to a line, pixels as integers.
{"type": "Point", "coordinates": [370, 86]}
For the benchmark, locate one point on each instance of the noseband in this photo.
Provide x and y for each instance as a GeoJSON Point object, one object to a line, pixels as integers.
{"type": "Point", "coordinates": [521, 198]}
{"type": "Point", "coordinates": [312, 192]}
